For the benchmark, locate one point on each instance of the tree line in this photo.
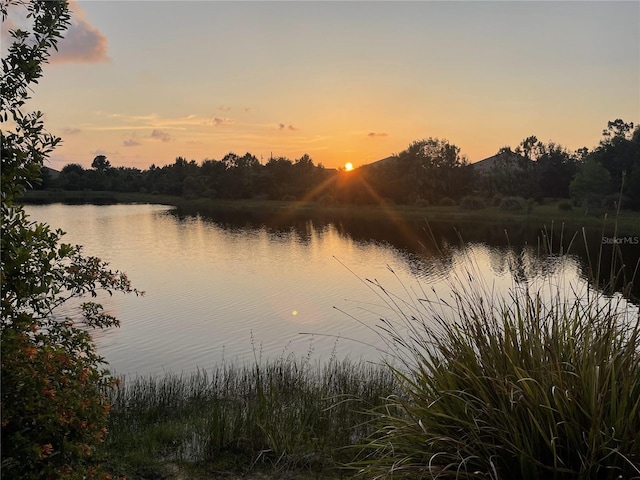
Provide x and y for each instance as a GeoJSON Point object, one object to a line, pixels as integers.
{"type": "Point", "coordinates": [429, 171]}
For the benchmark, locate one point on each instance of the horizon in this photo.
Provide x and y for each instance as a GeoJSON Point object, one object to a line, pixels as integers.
{"type": "Point", "coordinates": [344, 82]}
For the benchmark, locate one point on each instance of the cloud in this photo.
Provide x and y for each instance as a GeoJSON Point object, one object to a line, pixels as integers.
{"type": "Point", "coordinates": [282, 126]}
{"type": "Point", "coordinates": [99, 151]}
{"type": "Point", "coordinates": [70, 131]}
{"type": "Point", "coordinates": [82, 42]}
{"type": "Point", "coordinates": [131, 142]}
{"type": "Point", "coordinates": [222, 121]}
{"type": "Point", "coordinates": [374, 134]}
{"type": "Point", "coordinates": [122, 121]}
{"type": "Point", "coordinates": [160, 135]}
{"type": "Point", "coordinates": [224, 108]}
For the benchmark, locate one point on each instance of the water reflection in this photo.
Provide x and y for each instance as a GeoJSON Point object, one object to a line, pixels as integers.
{"type": "Point", "coordinates": [237, 288]}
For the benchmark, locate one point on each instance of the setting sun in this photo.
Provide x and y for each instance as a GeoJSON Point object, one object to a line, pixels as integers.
{"type": "Point", "coordinates": [348, 166]}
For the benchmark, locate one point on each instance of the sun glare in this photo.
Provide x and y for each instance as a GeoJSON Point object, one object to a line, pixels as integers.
{"type": "Point", "coordinates": [348, 166]}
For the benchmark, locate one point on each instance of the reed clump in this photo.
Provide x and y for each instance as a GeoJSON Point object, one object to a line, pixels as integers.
{"type": "Point", "coordinates": [537, 384]}
{"type": "Point", "coordinates": [288, 413]}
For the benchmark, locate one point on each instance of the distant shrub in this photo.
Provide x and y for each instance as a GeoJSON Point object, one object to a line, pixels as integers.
{"type": "Point", "coordinates": [446, 202]}
{"type": "Point", "coordinates": [564, 205]}
{"type": "Point", "coordinates": [513, 204]}
{"type": "Point", "coordinates": [610, 201]}
{"type": "Point", "coordinates": [472, 203]}
{"type": "Point", "coordinates": [422, 202]}
{"type": "Point", "coordinates": [328, 200]}
{"type": "Point", "coordinates": [288, 198]}
{"type": "Point", "coordinates": [496, 199]}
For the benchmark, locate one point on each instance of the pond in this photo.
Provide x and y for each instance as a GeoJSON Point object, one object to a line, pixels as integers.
{"type": "Point", "coordinates": [237, 290]}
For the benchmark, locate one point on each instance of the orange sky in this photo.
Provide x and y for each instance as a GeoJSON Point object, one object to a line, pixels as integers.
{"type": "Point", "coordinates": [144, 83]}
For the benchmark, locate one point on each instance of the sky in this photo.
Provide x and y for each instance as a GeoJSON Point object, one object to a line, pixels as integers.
{"type": "Point", "coordinates": [144, 82]}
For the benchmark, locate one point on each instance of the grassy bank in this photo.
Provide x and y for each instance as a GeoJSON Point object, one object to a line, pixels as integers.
{"type": "Point", "coordinates": [287, 417]}
{"type": "Point", "coordinates": [538, 216]}
{"type": "Point", "coordinates": [41, 197]}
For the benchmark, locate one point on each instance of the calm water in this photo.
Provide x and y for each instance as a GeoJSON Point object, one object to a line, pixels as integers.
{"type": "Point", "coordinates": [239, 292]}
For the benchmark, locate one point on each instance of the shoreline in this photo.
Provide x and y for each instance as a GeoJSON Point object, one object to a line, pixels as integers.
{"type": "Point", "coordinates": [540, 216]}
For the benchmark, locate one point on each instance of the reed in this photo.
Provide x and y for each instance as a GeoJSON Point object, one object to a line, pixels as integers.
{"type": "Point", "coordinates": [543, 382]}
{"type": "Point", "coordinates": [288, 413]}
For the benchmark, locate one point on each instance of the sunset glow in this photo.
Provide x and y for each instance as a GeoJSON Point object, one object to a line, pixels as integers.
{"type": "Point", "coordinates": [348, 166]}
{"type": "Point", "coordinates": [344, 82]}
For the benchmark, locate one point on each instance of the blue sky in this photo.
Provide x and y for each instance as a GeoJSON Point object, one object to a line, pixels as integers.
{"type": "Point", "coordinates": [146, 81]}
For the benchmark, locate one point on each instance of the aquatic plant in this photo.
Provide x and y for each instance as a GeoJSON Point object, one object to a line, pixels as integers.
{"type": "Point", "coordinates": [543, 382]}
{"type": "Point", "coordinates": [287, 413]}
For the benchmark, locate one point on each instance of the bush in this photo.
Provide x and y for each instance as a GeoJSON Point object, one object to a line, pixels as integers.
{"type": "Point", "coordinates": [513, 204]}
{"type": "Point", "coordinates": [564, 205]}
{"type": "Point", "coordinates": [328, 201]}
{"type": "Point", "coordinates": [446, 202]}
{"type": "Point", "coordinates": [472, 203]}
{"type": "Point", "coordinates": [520, 387]}
{"type": "Point", "coordinates": [54, 407]}
{"type": "Point", "coordinates": [610, 202]}
{"type": "Point", "coordinates": [496, 199]}
{"type": "Point", "coordinates": [422, 202]}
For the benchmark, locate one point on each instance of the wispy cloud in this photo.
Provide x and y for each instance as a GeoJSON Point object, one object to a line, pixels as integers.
{"type": "Point", "coordinates": [70, 131]}
{"type": "Point", "coordinates": [131, 142]}
{"type": "Point", "coordinates": [160, 135]}
{"type": "Point", "coordinates": [222, 121]}
{"type": "Point", "coordinates": [282, 126]}
{"type": "Point", "coordinates": [376, 134]}
{"type": "Point", "coordinates": [120, 121]}
{"type": "Point", "coordinates": [224, 108]}
{"type": "Point", "coordinates": [82, 42]}
{"type": "Point", "coordinates": [100, 151]}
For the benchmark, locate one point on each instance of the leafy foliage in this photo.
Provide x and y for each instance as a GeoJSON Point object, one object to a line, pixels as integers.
{"type": "Point", "coordinates": [472, 203]}
{"type": "Point", "coordinates": [54, 408]}
{"type": "Point", "coordinates": [591, 183]}
{"type": "Point", "coordinates": [512, 204]}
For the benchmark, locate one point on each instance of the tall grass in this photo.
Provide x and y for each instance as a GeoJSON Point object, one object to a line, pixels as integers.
{"type": "Point", "coordinates": [539, 383]}
{"type": "Point", "coordinates": [289, 412]}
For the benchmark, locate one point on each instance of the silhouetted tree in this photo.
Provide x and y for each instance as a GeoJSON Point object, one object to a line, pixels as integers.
{"type": "Point", "coordinates": [430, 168]}
{"type": "Point", "coordinates": [590, 185]}
{"type": "Point", "coordinates": [554, 170]}
{"type": "Point", "coordinates": [279, 177]}
{"type": "Point", "coordinates": [100, 163]}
